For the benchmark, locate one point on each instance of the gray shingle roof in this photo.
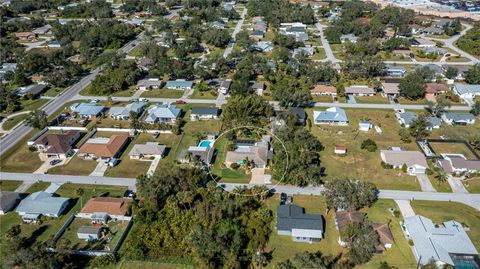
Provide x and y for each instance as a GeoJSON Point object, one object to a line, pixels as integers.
{"type": "Point", "coordinates": [7, 198]}
{"type": "Point", "coordinates": [459, 116]}
{"type": "Point", "coordinates": [465, 89]}
{"type": "Point", "coordinates": [293, 217]}
{"type": "Point", "coordinates": [42, 203]}
{"type": "Point", "coordinates": [205, 110]}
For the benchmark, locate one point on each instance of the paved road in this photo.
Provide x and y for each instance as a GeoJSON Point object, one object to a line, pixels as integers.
{"type": "Point", "coordinates": [450, 43]}
{"type": "Point", "coordinates": [326, 45]}
{"type": "Point", "coordinates": [237, 29]}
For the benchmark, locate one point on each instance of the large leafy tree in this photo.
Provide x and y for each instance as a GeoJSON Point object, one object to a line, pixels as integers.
{"type": "Point", "coordinates": [412, 86]}
{"type": "Point", "coordinates": [37, 119]}
{"type": "Point", "coordinates": [418, 127]}
{"type": "Point", "coordinates": [362, 241]}
{"type": "Point", "coordinates": [246, 111]}
{"type": "Point", "coordinates": [312, 260]}
{"type": "Point", "coordinates": [349, 195]}
{"type": "Point", "coordinates": [472, 76]}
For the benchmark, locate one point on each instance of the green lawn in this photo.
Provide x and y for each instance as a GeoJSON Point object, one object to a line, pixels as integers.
{"type": "Point", "coordinates": [20, 159]}
{"type": "Point", "coordinates": [211, 94]}
{"type": "Point", "coordinates": [127, 167]}
{"type": "Point", "coordinates": [452, 148]}
{"type": "Point", "coordinates": [444, 211]}
{"type": "Point", "coordinates": [457, 59]}
{"type": "Point", "coordinates": [38, 186]}
{"type": "Point", "coordinates": [440, 186]}
{"type": "Point", "coordinates": [9, 185]}
{"type": "Point", "coordinates": [319, 54]}
{"type": "Point", "coordinates": [404, 101]}
{"type": "Point", "coordinates": [377, 99]}
{"type": "Point", "coordinates": [358, 163]}
{"type": "Point", "coordinates": [226, 174]}
{"type": "Point", "coordinates": [322, 98]}
{"type": "Point", "coordinates": [163, 93]}
{"type": "Point", "coordinates": [151, 265]}
{"type": "Point", "coordinates": [76, 166]}
{"type": "Point", "coordinates": [472, 185]}
{"type": "Point", "coordinates": [8, 124]}
{"type": "Point", "coordinates": [283, 247]}
{"type": "Point", "coordinates": [400, 254]}
{"type": "Point", "coordinates": [53, 91]}
{"type": "Point", "coordinates": [28, 105]}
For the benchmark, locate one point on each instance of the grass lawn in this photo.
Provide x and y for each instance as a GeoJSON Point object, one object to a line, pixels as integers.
{"type": "Point", "coordinates": [391, 57]}
{"type": "Point", "coordinates": [28, 105]}
{"type": "Point", "coordinates": [20, 158]}
{"type": "Point", "coordinates": [400, 254]}
{"type": "Point", "coordinates": [12, 122]}
{"type": "Point", "coordinates": [338, 51]}
{"type": "Point", "coordinates": [150, 265]}
{"type": "Point", "coordinates": [404, 101]}
{"type": "Point", "coordinates": [283, 247]}
{"type": "Point", "coordinates": [444, 211]}
{"type": "Point", "coordinates": [457, 59]}
{"type": "Point", "coordinates": [319, 54]}
{"type": "Point", "coordinates": [53, 91]}
{"type": "Point", "coordinates": [452, 148]}
{"type": "Point", "coordinates": [457, 132]}
{"type": "Point", "coordinates": [377, 99]}
{"type": "Point", "coordinates": [76, 166]}
{"type": "Point", "coordinates": [135, 52]}
{"type": "Point", "coordinates": [163, 93]}
{"type": "Point", "coordinates": [9, 185]}
{"type": "Point", "coordinates": [38, 186]}
{"type": "Point", "coordinates": [126, 93]}
{"type": "Point", "coordinates": [472, 185]}
{"type": "Point", "coordinates": [439, 186]}
{"type": "Point", "coordinates": [127, 167]}
{"type": "Point", "coordinates": [359, 163]}
{"type": "Point", "coordinates": [211, 94]}
{"type": "Point", "coordinates": [322, 98]}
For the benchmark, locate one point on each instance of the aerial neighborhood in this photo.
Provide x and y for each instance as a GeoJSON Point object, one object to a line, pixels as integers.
{"type": "Point", "coordinates": [240, 134]}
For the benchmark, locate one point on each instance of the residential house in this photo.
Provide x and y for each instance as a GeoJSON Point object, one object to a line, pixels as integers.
{"type": "Point", "coordinates": [163, 114]}
{"type": "Point", "coordinates": [103, 147]}
{"type": "Point", "coordinates": [257, 87]}
{"type": "Point", "coordinates": [422, 42]}
{"type": "Point", "coordinates": [221, 85]}
{"type": "Point", "coordinates": [204, 154]}
{"type": "Point", "coordinates": [148, 150]}
{"type": "Point", "coordinates": [295, 29]}
{"type": "Point", "coordinates": [385, 236]}
{"type": "Point", "coordinates": [433, 31]}
{"type": "Point", "coordinates": [406, 118]}
{"type": "Point", "coordinates": [414, 28]}
{"type": "Point", "coordinates": [402, 52]}
{"type": "Point", "coordinates": [305, 51]}
{"type": "Point", "coordinates": [390, 89]}
{"type": "Point", "coordinates": [301, 115]}
{"type": "Point", "coordinates": [149, 84]}
{"type": "Point", "coordinates": [365, 126]}
{"type": "Point", "coordinates": [218, 25]}
{"type": "Point", "coordinates": [435, 69]}
{"type": "Point", "coordinates": [435, 89]}
{"type": "Point", "coordinates": [359, 90]}
{"type": "Point", "coordinates": [292, 221]}
{"type": "Point", "coordinates": [395, 71]}
{"type": "Point", "coordinates": [43, 30]}
{"type": "Point", "coordinates": [89, 233]}
{"type": "Point", "coordinates": [180, 84]}
{"type": "Point", "coordinates": [457, 164]}
{"type": "Point", "coordinates": [8, 201]}
{"type": "Point", "coordinates": [445, 244]}
{"type": "Point", "coordinates": [342, 219]}
{"type": "Point", "coordinates": [32, 90]}
{"type": "Point", "coordinates": [26, 35]}
{"type": "Point", "coordinates": [103, 209]}
{"type": "Point", "coordinates": [262, 46]}
{"type": "Point", "coordinates": [58, 146]}
{"type": "Point", "coordinates": [257, 35]}
{"type": "Point", "coordinates": [7, 68]}
{"type": "Point", "coordinates": [348, 37]}
{"type": "Point", "coordinates": [38, 78]}
{"type": "Point", "coordinates": [145, 63]}
{"type": "Point", "coordinates": [323, 90]}
{"type": "Point", "coordinates": [434, 50]}
{"type": "Point", "coordinates": [123, 112]}
{"type": "Point", "coordinates": [204, 113]}
{"type": "Point", "coordinates": [414, 160]}
{"type": "Point", "coordinates": [87, 110]}
{"type": "Point", "coordinates": [440, 24]}
{"type": "Point", "coordinates": [331, 116]}
{"type": "Point", "coordinates": [41, 204]}
{"type": "Point", "coordinates": [256, 152]}
{"type": "Point", "coordinates": [467, 91]}
{"type": "Point", "coordinates": [259, 24]}
{"type": "Point", "coordinates": [458, 118]}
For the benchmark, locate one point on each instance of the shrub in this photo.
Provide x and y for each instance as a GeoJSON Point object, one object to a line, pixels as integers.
{"type": "Point", "coordinates": [410, 242]}
{"type": "Point", "coordinates": [369, 145]}
{"type": "Point", "coordinates": [396, 213]}
{"type": "Point", "coordinates": [404, 168]}
{"type": "Point", "coordinates": [234, 166]}
{"type": "Point", "coordinates": [32, 148]}
{"type": "Point", "coordinates": [428, 171]}
{"type": "Point", "coordinates": [386, 165]}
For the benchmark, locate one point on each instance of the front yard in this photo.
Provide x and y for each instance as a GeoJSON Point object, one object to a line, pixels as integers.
{"type": "Point", "coordinates": [76, 166]}
{"type": "Point", "coordinates": [163, 93]}
{"type": "Point", "coordinates": [9, 185]}
{"type": "Point", "coordinates": [377, 99]}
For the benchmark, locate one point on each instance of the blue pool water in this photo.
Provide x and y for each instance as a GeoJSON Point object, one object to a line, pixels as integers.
{"type": "Point", "coordinates": [205, 143]}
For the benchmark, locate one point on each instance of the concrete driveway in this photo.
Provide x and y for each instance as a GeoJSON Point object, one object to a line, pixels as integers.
{"type": "Point", "coordinates": [425, 183]}
{"type": "Point", "coordinates": [153, 165]}
{"type": "Point", "coordinates": [100, 169]}
{"type": "Point", "coordinates": [405, 208]}
{"type": "Point", "coordinates": [46, 165]}
{"type": "Point", "coordinates": [456, 185]}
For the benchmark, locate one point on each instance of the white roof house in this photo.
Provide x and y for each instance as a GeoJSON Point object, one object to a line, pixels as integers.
{"type": "Point", "coordinates": [123, 113]}
{"type": "Point", "coordinates": [147, 150]}
{"type": "Point", "coordinates": [457, 163]}
{"type": "Point", "coordinates": [332, 116]}
{"type": "Point", "coordinates": [414, 160]}
{"type": "Point", "coordinates": [42, 203]}
{"type": "Point", "coordinates": [458, 118]}
{"type": "Point", "coordinates": [163, 113]}
{"type": "Point", "coordinates": [466, 90]}
{"type": "Point", "coordinates": [360, 90]}
{"type": "Point", "coordinates": [445, 244]}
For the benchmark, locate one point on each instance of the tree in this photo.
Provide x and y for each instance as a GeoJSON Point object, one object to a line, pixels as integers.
{"type": "Point", "coordinates": [312, 260]}
{"type": "Point", "coordinates": [475, 108]}
{"type": "Point", "coordinates": [438, 108]}
{"type": "Point", "coordinates": [440, 175]}
{"type": "Point", "coordinates": [475, 142]}
{"type": "Point", "coordinates": [37, 119]}
{"type": "Point", "coordinates": [412, 86]}
{"type": "Point", "coordinates": [385, 265]}
{"type": "Point", "coordinates": [79, 191]}
{"type": "Point", "coordinates": [472, 76]}
{"type": "Point", "coordinates": [217, 37]}
{"type": "Point", "coordinates": [418, 127]}
{"type": "Point", "coordinates": [201, 86]}
{"type": "Point", "coordinates": [369, 145]}
{"type": "Point", "coordinates": [404, 134]}
{"type": "Point", "coordinates": [349, 195]}
{"type": "Point", "coordinates": [451, 72]}
{"type": "Point", "coordinates": [245, 111]}
{"type": "Point", "coordinates": [362, 241]}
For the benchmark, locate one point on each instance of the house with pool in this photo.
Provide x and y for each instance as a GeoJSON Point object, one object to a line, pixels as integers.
{"type": "Point", "coordinates": [257, 153]}
{"type": "Point", "coordinates": [203, 152]}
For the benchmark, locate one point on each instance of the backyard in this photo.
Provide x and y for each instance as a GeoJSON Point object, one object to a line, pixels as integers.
{"type": "Point", "coordinates": [361, 163]}
{"type": "Point", "coordinates": [452, 148]}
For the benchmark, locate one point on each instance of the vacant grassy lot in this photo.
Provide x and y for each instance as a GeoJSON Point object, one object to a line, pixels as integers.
{"type": "Point", "coordinates": [9, 185]}
{"type": "Point", "coordinates": [28, 105]}
{"type": "Point", "coordinates": [457, 132]}
{"type": "Point", "coordinates": [76, 166]}
{"type": "Point", "coordinates": [452, 148]}
{"type": "Point", "coordinates": [400, 254]}
{"type": "Point", "coordinates": [322, 98]}
{"type": "Point", "coordinates": [359, 163]}
{"type": "Point", "coordinates": [163, 93]}
{"type": "Point", "coordinates": [404, 101]}
{"type": "Point", "coordinates": [283, 247]}
{"type": "Point", "coordinates": [151, 265]}
{"type": "Point", "coordinates": [377, 99]}
{"type": "Point", "coordinates": [38, 186]}
{"type": "Point", "coordinates": [20, 158]}
{"type": "Point", "coordinates": [444, 211]}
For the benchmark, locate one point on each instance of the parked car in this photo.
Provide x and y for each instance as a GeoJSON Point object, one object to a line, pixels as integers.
{"type": "Point", "coordinates": [113, 161]}
{"type": "Point", "coordinates": [156, 135]}
{"type": "Point", "coordinates": [143, 100]}
{"type": "Point", "coordinates": [129, 194]}
{"type": "Point", "coordinates": [283, 198]}
{"type": "Point", "coordinates": [180, 102]}
{"type": "Point", "coordinates": [54, 162]}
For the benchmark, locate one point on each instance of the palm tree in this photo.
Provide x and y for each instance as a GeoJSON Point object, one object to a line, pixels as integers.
{"type": "Point", "coordinates": [440, 175]}
{"type": "Point", "coordinates": [80, 192]}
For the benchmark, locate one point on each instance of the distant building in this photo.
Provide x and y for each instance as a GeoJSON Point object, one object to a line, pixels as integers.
{"type": "Point", "coordinates": [323, 90]}
{"type": "Point", "coordinates": [149, 84]}
{"type": "Point", "coordinates": [466, 90]}
{"type": "Point", "coordinates": [221, 85]}
{"type": "Point", "coordinates": [204, 113]}
{"type": "Point", "coordinates": [458, 118]}
{"type": "Point", "coordinates": [395, 71]}
{"type": "Point", "coordinates": [457, 163]}
{"type": "Point", "coordinates": [359, 90]}
{"type": "Point", "coordinates": [390, 89]}
{"type": "Point", "coordinates": [123, 113]}
{"type": "Point", "coordinates": [406, 118]}
{"type": "Point", "coordinates": [348, 37]}
{"type": "Point", "coordinates": [89, 233]}
{"type": "Point", "coordinates": [422, 42]}
{"type": "Point", "coordinates": [292, 221]}
{"type": "Point", "coordinates": [447, 243]}
{"type": "Point", "coordinates": [87, 110]}
{"type": "Point", "coordinates": [32, 90]}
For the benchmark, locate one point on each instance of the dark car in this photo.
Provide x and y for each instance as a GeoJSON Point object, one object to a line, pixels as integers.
{"type": "Point", "coordinates": [130, 194]}
{"type": "Point", "coordinates": [54, 162]}
{"type": "Point", "coordinates": [180, 102]}
{"type": "Point", "coordinates": [283, 198]}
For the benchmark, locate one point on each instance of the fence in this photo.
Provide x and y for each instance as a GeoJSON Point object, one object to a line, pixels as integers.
{"type": "Point", "coordinates": [124, 235]}
{"type": "Point", "coordinates": [62, 230]}
{"type": "Point", "coordinates": [104, 130]}
{"type": "Point", "coordinates": [36, 136]}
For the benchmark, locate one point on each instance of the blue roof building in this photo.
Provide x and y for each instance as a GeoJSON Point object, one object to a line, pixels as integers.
{"type": "Point", "coordinates": [180, 84]}
{"type": "Point", "coordinates": [87, 110]}
{"type": "Point", "coordinates": [123, 113]}
{"type": "Point", "coordinates": [163, 113]}
{"type": "Point", "coordinates": [42, 203]}
{"type": "Point", "coordinates": [332, 116]}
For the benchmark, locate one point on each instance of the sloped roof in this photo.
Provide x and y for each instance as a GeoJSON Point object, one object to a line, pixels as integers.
{"type": "Point", "coordinates": [89, 230]}
{"type": "Point", "coordinates": [323, 89]}
{"type": "Point", "coordinates": [162, 111]}
{"type": "Point", "coordinates": [432, 242]}
{"type": "Point", "coordinates": [291, 217]}
{"type": "Point", "coordinates": [334, 114]}
{"type": "Point", "coordinates": [436, 88]}
{"type": "Point", "coordinates": [125, 111]}
{"type": "Point", "coordinates": [179, 83]}
{"type": "Point", "coordinates": [258, 154]}
{"type": "Point", "coordinates": [104, 150]}
{"type": "Point", "coordinates": [90, 109]}
{"type": "Point", "coordinates": [343, 218]}
{"type": "Point", "coordinates": [384, 233]}
{"type": "Point", "coordinates": [7, 197]}
{"type": "Point", "coordinates": [390, 88]}
{"type": "Point", "coordinates": [57, 143]}
{"type": "Point", "coordinates": [465, 88]}
{"type": "Point", "coordinates": [205, 110]}
{"type": "Point", "coordinates": [459, 116]}
{"type": "Point", "coordinates": [149, 148]}
{"type": "Point", "coordinates": [109, 205]}
{"type": "Point", "coordinates": [359, 89]}
{"type": "Point", "coordinates": [462, 163]}
{"type": "Point", "coordinates": [42, 203]}
{"type": "Point", "coordinates": [407, 157]}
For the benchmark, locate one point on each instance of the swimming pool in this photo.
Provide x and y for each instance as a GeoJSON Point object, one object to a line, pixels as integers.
{"type": "Point", "coordinates": [205, 143]}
